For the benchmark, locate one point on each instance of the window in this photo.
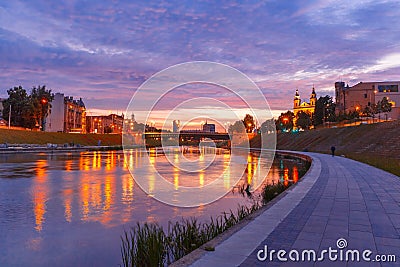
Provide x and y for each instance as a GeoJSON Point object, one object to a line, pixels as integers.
{"type": "Point", "coordinates": [388, 88]}
{"type": "Point", "coordinates": [365, 95]}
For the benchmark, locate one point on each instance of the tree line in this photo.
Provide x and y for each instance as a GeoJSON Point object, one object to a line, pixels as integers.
{"type": "Point", "coordinates": [28, 110]}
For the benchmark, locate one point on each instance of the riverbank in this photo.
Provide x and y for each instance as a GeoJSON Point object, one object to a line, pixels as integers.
{"type": "Point", "coordinates": [53, 149]}
{"type": "Point", "coordinates": [375, 144]}
{"type": "Point", "coordinates": [9, 136]}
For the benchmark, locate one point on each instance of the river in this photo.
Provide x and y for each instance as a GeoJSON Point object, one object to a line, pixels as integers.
{"type": "Point", "coordinates": [70, 209]}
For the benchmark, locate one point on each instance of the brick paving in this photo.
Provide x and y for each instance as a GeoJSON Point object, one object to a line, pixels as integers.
{"type": "Point", "coordinates": [337, 198]}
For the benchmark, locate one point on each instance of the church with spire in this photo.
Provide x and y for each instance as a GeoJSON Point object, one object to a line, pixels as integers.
{"type": "Point", "coordinates": [307, 107]}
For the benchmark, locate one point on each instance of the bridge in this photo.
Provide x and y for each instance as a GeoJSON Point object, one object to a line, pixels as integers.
{"type": "Point", "coordinates": [186, 136]}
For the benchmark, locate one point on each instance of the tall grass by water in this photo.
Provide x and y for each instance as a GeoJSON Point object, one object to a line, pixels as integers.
{"type": "Point", "coordinates": [149, 245]}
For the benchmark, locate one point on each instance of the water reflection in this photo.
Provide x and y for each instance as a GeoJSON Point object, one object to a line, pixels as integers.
{"type": "Point", "coordinates": [97, 194]}
{"type": "Point", "coordinates": [74, 197]}
{"type": "Point", "coordinates": [40, 193]}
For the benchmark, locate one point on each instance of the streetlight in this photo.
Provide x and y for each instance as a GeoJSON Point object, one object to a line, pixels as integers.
{"type": "Point", "coordinates": [43, 102]}
{"type": "Point", "coordinates": [9, 118]}
{"type": "Point", "coordinates": [249, 125]}
{"type": "Point", "coordinates": [285, 121]}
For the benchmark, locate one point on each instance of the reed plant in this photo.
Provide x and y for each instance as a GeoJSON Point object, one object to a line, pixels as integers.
{"type": "Point", "coordinates": [149, 245]}
{"type": "Point", "coordinates": [144, 245]}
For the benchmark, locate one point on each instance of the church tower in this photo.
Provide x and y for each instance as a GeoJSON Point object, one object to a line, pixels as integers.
{"type": "Point", "coordinates": [313, 97]}
{"type": "Point", "coordinates": [296, 101]}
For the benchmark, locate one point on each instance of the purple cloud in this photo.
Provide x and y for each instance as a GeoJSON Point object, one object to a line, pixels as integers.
{"type": "Point", "coordinates": [102, 51]}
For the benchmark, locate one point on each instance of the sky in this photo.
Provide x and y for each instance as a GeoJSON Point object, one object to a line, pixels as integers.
{"type": "Point", "coordinates": [103, 51]}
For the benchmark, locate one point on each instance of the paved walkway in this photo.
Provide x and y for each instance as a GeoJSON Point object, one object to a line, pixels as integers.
{"type": "Point", "coordinates": [338, 199]}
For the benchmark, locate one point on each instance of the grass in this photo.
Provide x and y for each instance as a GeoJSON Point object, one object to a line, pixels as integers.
{"type": "Point", "coordinates": [32, 137]}
{"type": "Point", "coordinates": [271, 191]}
{"type": "Point", "coordinates": [375, 144]}
{"type": "Point", "coordinates": [149, 245]}
{"type": "Point", "coordinates": [388, 164]}
{"type": "Point", "coordinates": [145, 245]}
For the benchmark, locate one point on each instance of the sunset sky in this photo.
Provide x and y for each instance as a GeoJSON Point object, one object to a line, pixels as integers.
{"type": "Point", "coordinates": [103, 50]}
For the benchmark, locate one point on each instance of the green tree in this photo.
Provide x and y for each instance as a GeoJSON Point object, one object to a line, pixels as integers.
{"type": "Point", "coordinates": [40, 103]}
{"type": "Point", "coordinates": [324, 110]}
{"type": "Point", "coordinates": [249, 123]}
{"type": "Point", "coordinates": [303, 120]}
{"type": "Point", "coordinates": [385, 106]}
{"type": "Point", "coordinates": [285, 121]}
{"type": "Point", "coordinates": [367, 111]}
{"type": "Point", "coordinates": [237, 127]}
{"type": "Point", "coordinates": [378, 109]}
{"type": "Point", "coordinates": [19, 101]}
{"type": "Point", "coordinates": [268, 126]}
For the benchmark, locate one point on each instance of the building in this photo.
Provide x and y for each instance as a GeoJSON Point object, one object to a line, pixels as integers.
{"type": "Point", "coordinates": [112, 123]}
{"type": "Point", "coordinates": [129, 124]}
{"type": "Point", "coordinates": [176, 126]}
{"type": "Point", "coordinates": [1, 107]}
{"type": "Point", "coordinates": [304, 106]}
{"type": "Point", "coordinates": [3, 121]}
{"type": "Point", "coordinates": [363, 94]}
{"type": "Point", "coordinates": [66, 115]}
{"type": "Point", "coordinates": [209, 127]}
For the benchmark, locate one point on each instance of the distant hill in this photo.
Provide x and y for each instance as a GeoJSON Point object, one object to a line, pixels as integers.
{"type": "Point", "coordinates": [376, 144]}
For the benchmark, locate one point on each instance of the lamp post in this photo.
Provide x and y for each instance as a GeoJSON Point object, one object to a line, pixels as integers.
{"type": "Point", "coordinates": [285, 121]}
{"type": "Point", "coordinates": [9, 118]}
{"type": "Point", "coordinates": [42, 121]}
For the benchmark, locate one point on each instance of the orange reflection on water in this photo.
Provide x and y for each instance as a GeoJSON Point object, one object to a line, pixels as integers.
{"type": "Point", "coordinates": [109, 192]}
{"type": "Point", "coordinates": [201, 178]}
{"type": "Point", "coordinates": [84, 162]}
{"type": "Point", "coordinates": [286, 176]}
{"type": "Point", "coordinates": [295, 174]}
{"type": "Point", "coordinates": [252, 162]}
{"type": "Point", "coordinates": [101, 192]}
{"type": "Point", "coordinates": [176, 178]}
{"type": "Point", "coordinates": [95, 193]}
{"type": "Point", "coordinates": [68, 165]}
{"type": "Point", "coordinates": [226, 172]}
{"type": "Point", "coordinates": [40, 194]}
{"type": "Point", "coordinates": [249, 169]}
{"type": "Point", "coordinates": [110, 162]}
{"type": "Point", "coordinates": [96, 160]}
{"type": "Point", "coordinates": [68, 195]}
{"type": "Point", "coordinates": [85, 196]}
{"type": "Point", "coordinates": [127, 189]}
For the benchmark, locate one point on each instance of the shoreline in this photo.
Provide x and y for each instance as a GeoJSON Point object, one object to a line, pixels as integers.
{"type": "Point", "coordinates": [45, 149]}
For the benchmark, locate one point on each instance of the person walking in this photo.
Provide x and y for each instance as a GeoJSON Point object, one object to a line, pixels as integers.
{"type": "Point", "coordinates": [333, 150]}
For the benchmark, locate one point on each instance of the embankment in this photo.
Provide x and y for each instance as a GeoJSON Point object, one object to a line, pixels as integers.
{"type": "Point", "coordinates": [32, 137]}
{"type": "Point", "coordinates": [375, 144]}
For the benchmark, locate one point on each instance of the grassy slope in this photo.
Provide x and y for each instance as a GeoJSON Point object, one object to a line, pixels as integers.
{"type": "Point", "coordinates": [375, 144]}
{"type": "Point", "coordinates": [28, 137]}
